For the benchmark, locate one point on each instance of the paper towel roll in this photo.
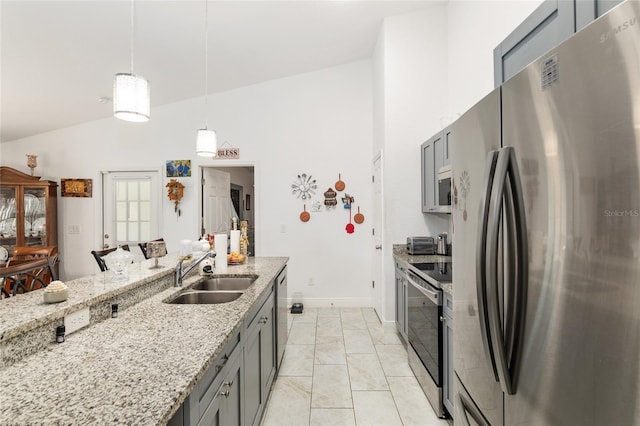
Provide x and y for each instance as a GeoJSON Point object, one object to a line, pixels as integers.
{"type": "Point", "coordinates": [235, 241]}
{"type": "Point", "coordinates": [220, 247]}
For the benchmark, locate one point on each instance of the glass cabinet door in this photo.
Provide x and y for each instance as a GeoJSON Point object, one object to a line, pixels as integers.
{"type": "Point", "coordinates": [35, 216]}
{"type": "Point", "coordinates": [7, 222]}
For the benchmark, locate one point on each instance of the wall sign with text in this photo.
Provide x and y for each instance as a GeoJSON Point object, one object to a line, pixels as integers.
{"type": "Point", "coordinates": [228, 153]}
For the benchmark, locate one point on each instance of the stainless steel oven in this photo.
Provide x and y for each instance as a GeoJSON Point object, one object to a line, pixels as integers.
{"type": "Point", "coordinates": [425, 329]}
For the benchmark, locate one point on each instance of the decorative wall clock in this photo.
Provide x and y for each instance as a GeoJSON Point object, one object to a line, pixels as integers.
{"type": "Point", "coordinates": [304, 186]}
{"type": "Point", "coordinates": [175, 192]}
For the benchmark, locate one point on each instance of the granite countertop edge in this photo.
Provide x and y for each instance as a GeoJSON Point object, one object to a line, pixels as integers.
{"type": "Point", "coordinates": [135, 369]}
{"type": "Point", "coordinates": [400, 254]}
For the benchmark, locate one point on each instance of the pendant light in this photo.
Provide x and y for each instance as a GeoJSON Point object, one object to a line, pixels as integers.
{"type": "Point", "coordinates": [131, 92]}
{"type": "Point", "coordinates": [206, 141]}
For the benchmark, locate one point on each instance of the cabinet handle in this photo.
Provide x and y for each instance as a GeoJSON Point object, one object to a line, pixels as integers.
{"type": "Point", "coordinates": [264, 320]}
{"type": "Point", "coordinates": [219, 366]}
{"type": "Point", "coordinates": [229, 383]}
{"type": "Point", "coordinates": [225, 393]}
{"type": "Point", "coordinates": [441, 319]}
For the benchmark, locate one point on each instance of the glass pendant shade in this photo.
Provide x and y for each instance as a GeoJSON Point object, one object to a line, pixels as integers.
{"type": "Point", "coordinates": [131, 97]}
{"type": "Point", "coordinates": [206, 143]}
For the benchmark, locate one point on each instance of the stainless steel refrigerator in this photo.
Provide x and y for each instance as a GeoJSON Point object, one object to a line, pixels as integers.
{"type": "Point", "coordinates": [546, 237]}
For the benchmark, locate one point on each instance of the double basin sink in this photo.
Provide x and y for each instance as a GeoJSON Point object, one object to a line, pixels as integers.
{"type": "Point", "coordinates": [214, 291]}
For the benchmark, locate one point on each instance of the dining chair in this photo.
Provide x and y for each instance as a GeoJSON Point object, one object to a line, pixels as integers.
{"type": "Point", "coordinates": [143, 247]}
{"type": "Point", "coordinates": [99, 255]}
{"type": "Point", "coordinates": [39, 276]}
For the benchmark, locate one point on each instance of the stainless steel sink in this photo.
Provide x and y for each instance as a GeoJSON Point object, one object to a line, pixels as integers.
{"type": "Point", "coordinates": [206, 297]}
{"type": "Point", "coordinates": [225, 283]}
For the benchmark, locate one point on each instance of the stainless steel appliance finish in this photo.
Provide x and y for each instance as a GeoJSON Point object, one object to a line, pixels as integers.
{"type": "Point", "coordinates": [421, 245]}
{"type": "Point", "coordinates": [424, 330]}
{"type": "Point", "coordinates": [442, 244]}
{"type": "Point", "coordinates": [281, 316]}
{"type": "Point", "coordinates": [548, 228]}
{"type": "Point", "coordinates": [444, 187]}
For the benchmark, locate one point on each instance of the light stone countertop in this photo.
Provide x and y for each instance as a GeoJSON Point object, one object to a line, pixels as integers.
{"type": "Point", "coordinates": [400, 254]}
{"type": "Point", "coordinates": [135, 369]}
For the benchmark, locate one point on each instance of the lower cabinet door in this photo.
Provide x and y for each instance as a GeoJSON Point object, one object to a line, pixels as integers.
{"type": "Point", "coordinates": [226, 407]}
{"type": "Point", "coordinates": [267, 350]}
{"type": "Point", "coordinates": [252, 377]}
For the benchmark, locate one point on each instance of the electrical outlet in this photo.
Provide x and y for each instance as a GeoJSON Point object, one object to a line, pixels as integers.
{"type": "Point", "coordinates": [76, 321]}
{"type": "Point", "coordinates": [73, 229]}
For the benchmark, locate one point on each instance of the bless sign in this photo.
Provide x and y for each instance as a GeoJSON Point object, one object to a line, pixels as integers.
{"type": "Point", "coordinates": [229, 153]}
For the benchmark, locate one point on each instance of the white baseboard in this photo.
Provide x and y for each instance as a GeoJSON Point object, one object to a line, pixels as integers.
{"type": "Point", "coordinates": [340, 302]}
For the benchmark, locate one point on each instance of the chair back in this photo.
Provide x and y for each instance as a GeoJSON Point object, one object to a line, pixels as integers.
{"type": "Point", "coordinates": [143, 247]}
{"type": "Point", "coordinates": [99, 255]}
{"type": "Point", "coordinates": [41, 277]}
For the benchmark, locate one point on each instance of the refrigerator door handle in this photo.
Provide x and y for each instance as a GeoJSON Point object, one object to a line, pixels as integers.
{"type": "Point", "coordinates": [493, 233]}
{"type": "Point", "coordinates": [464, 408]}
{"type": "Point", "coordinates": [519, 283]}
{"type": "Point", "coordinates": [507, 198]}
{"type": "Point", "coordinates": [481, 263]}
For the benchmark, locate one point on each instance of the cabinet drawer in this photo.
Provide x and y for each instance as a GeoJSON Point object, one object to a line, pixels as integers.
{"type": "Point", "coordinates": [212, 379]}
{"type": "Point", "coordinates": [447, 305]}
{"type": "Point", "coordinates": [255, 312]}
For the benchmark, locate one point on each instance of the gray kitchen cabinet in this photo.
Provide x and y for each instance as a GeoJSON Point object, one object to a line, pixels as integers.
{"type": "Point", "coordinates": [204, 398]}
{"type": "Point", "coordinates": [428, 176]}
{"type": "Point", "coordinates": [434, 155]}
{"type": "Point", "coordinates": [401, 300]}
{"type": "Point", "coordinates": [259, 361]}
{"type": "Point", "coordinates": [225, 409]}
{"type": "Point", "coordinates": [447, 367]}
{"type": "Point", "coordinates": [547, 26]}
{"type": "Point", "coordinates": [588, 10]}
{"type": "Point", "coordinates": [234, 390]}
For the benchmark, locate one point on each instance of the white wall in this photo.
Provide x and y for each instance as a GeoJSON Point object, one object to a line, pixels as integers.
{"type": "Point", "coordinates": [411, 84]}
{"type": "Point", "coordinates": [475, 28]}
{"type": "Point", "coordinates": [318, 123]}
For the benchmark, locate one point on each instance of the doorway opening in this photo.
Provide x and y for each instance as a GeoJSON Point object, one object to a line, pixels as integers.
{"type": "Point", "coordinates": [228, 192]}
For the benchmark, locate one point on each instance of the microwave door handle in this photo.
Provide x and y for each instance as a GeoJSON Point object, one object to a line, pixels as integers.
{"type": "Point", "coordinates": [519, 285]}
{"type": "Point", "coordinates": [481, 263]}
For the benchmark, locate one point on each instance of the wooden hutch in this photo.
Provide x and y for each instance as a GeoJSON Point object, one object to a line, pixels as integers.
{"type": "Point", "coordinates": [28, 210]}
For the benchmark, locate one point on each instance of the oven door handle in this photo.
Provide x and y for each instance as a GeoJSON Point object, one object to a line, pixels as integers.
{"type": "Point", "coordinates": [434, 296]}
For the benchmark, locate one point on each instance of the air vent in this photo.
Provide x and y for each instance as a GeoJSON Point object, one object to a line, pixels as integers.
{"type": "Point", "coordinates": [550, 72]}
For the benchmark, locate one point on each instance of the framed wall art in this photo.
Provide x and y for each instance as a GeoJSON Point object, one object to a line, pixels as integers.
{"type": "Point", "coordinates": [178, 168]}
{"type": "Point", "coordinates": [76, 187]}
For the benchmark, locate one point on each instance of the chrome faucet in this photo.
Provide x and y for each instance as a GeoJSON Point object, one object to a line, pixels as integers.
{"type": "Point", "coordinates": [180, 273]}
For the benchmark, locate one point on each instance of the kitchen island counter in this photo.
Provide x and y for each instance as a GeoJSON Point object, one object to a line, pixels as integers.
{"type": "Point", "coordinates": [137, 368]}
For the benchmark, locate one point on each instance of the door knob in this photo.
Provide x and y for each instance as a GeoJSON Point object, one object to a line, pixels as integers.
{"type": "Point", "coordinates": [379, 247]}
{"type": "Point", "coordinates": [106, 235]}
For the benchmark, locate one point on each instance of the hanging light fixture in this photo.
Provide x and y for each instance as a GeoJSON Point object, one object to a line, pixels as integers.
{"type": "Point", "coordinates": [131, 92]}
{"type": "Point", "coordinates": [206, 141]}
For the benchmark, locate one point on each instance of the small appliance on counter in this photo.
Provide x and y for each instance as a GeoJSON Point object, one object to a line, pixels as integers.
{"type": "Point", "coordinates": [442, 244]}
{"type": "Point", "coordinates": [421, 245]}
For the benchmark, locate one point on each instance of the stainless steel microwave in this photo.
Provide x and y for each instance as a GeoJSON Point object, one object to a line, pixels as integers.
{"type": "Point", "coordinates": [444, 188]}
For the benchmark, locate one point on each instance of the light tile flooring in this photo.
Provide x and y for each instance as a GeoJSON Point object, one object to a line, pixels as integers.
{"type": "Point", "coordinates": [341, 367]}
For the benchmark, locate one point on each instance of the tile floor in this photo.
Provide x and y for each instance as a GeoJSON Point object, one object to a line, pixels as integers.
{"type": "Point", "coordinates": [342, 367]}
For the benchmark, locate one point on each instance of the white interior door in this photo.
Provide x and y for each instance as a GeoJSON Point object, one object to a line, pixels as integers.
{"type": "Point", "coordinates": [378, 272]}
{"type": "Point", "coordinates": [216, 200]}
{"type": "Point", "coordinates": [131, 207]}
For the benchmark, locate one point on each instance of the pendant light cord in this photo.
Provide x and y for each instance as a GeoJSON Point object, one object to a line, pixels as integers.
{"type": "Point", "coordinates": [206, 59]}
{"type": "Point", "coordinates": [132, 11]}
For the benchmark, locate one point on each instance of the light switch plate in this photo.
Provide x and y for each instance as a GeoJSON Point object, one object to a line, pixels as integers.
{"type": "Point", "coordinates": [73, 229]}
{"type": "Point", "coordinates": [76, 321]}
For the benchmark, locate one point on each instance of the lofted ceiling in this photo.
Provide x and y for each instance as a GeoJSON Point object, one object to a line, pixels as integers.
{"type": "Point", "coordinates": [59, 57]}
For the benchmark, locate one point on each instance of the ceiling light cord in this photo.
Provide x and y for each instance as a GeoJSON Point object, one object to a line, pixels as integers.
{"type": "Point", "coordinates": [206, 60]}
{"type": "Point", "coordinates": [132, 34]}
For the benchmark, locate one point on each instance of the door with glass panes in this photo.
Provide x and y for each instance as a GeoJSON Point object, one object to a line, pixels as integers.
{"type": "Point", "coordinates": [131, 208]}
